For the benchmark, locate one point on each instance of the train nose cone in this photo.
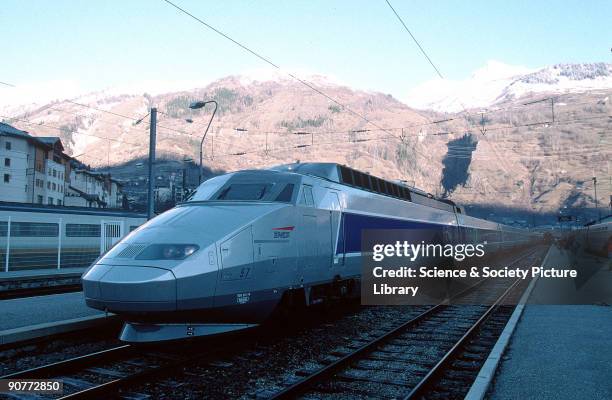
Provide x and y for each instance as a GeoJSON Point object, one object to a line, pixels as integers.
{"type": "Point", "coordinates": [118, 288]}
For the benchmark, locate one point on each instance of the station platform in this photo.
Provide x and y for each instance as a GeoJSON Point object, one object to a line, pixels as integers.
{"type": "Point", "coordinates": [39, 273]}
{"type": "Point", "coordinates": [33, 317]}
{"type": "Point", "coordinates": [39, 278]}
{"type": "Point", "coordinates": [558, 346]}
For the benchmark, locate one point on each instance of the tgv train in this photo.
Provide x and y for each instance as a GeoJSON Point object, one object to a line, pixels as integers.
{"type": "Point", "coordinates": [249, 241]}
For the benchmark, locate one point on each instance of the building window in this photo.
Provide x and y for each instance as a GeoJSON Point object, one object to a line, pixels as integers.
{"type": "Point", "coordinates": [7, 145]}
{"type": "Point", "coordinates": [7, 162]}
{"type": "Point", "coordinates": [50, 200]}
{"type": "Point", "coordinates": [40, 199]}
{"type": "Point", "coordinates": [53, 186]}
{"type": "Point", "coordinates": [59, 202]}
{"type": "Point", "coordinates": [7, 178]}
{"type": "Point", "coordinates": [48, 185]}
{"type": "Point", "coordinates": [54, 173]}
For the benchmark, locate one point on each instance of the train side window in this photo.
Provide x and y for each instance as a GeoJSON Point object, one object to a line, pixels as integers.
{"type": "Point", "coordinates": [389, 189]}
{"type": "Point", "coordinates": [357, 178]}
{"type": "Point", "coordinates": [375, 186]}
{"type": "Point", "coordinates": [82, 230]}
{"type": "Point", "coordinates": [347, 175]}
{"type": "Point", "coordinates": [383, 186]}
{"type": "Point", "coordinates": [367, 181]}
{"type": "Point", "coordinates": [395, 190]}
{"type": "Point", "coordinates": [307, 198]}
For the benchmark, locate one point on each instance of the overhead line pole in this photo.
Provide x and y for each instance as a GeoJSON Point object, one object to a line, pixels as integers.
{"type": "Point", "coordinates": [152, 138]}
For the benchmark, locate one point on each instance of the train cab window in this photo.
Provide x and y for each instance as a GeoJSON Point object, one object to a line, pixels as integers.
{"type": "Point", "coordinates": [307, 198]}
{"type": "Point", "coordinates": [244, 191]}
{"type": "Point", "coordinates": [285, 194]}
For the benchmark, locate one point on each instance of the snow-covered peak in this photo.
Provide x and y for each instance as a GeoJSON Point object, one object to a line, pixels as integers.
{"type": "Point", "coordinates": [497, 82]}
{"type": "Point", "coordinates": [495, 70]}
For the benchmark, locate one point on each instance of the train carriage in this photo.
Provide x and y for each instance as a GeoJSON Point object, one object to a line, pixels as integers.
{"type": "Point", "coordinates": [33, 237]}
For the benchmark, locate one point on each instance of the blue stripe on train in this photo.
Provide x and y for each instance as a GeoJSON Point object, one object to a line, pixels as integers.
{"type": "Point", "coordinates": [353, 224]}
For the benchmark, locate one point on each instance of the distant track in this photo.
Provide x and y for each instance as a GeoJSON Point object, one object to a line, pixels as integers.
{"type": "Point", "coordinates": [39, 291]}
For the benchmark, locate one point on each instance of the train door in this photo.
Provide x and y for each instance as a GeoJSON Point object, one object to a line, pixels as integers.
{"type": "Point", "coordinates": [331, 202]}
{"type": "Point", "coordinates": [307, 239]}
{"type": "Point", "coordinates": [110, 233]}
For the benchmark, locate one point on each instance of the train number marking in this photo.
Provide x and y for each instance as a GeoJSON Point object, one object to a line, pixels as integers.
{"type": "Point", "coordinates": [245, 272]}
{"type": "Point", "coordinates": [243, 298]}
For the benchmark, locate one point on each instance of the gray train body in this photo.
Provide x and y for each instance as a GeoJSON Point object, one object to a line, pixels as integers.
{"type": "Point", "coordinates": [247, 240]}
{"type": "Point", "coordinates": [597, 237]}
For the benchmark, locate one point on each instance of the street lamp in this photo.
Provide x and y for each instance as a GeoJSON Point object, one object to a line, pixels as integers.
{"type": "Point", "coordinates": [195, 106]}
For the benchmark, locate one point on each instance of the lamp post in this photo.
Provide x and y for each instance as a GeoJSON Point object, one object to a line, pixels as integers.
{"type": "Point", "coordinates": [195, 106]}
{"type": "Point", "coordinates": [596, 202]}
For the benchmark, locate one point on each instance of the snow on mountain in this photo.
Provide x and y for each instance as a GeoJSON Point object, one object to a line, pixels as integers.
{"type": "Point", "coordinates": [497, 82]}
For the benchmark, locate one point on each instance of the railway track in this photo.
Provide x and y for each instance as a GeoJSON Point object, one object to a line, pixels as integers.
{"type": "Point", "coordinates": [427, 347]}
{"type": "Point", "coordinates": [436, 354]}
{"type": "Point", "coordinates": [102, 374]}
{"type": "Point", "coordinates": [39, 291]}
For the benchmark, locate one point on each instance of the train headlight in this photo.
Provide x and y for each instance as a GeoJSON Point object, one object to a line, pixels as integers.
{"type": "Point", "coordinates": [167, 252]}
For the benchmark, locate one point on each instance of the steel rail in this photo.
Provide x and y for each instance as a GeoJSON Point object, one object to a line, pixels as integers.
{"type": "Point", "coordinates": [71, 364]}
{"type": "Point", "coordinates": [436, 371]}
{"type": "Point", "coordinates": [329, 370]}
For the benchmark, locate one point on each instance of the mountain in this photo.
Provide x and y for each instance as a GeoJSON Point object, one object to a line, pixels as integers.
{"type": "Point", "coordinates": [515, 155]}
{"type": "Point", "coordinates": [497, 83]}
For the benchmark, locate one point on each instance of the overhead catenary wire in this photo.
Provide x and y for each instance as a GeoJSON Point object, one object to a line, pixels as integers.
{"type": "Point", "coordinates": [71, 131]}
{"type": "Point", "coordinates": [277, 67]}
{"type": "Point", "coordinates": [415, 40]}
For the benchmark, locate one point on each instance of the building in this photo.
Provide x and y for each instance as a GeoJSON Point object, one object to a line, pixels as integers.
{"type": "Point", "coordinates": [36, 170]}
{"type": "Point", "coordinates": [33, 169]}
{"type": "Point", "coordinates": [93, 189]}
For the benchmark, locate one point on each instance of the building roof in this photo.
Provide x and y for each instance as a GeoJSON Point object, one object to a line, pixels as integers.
{"type": "Point", "coordinates": [11, 130]}
{"type": "Point", "coordinates": [51, 141]}
{"type": "Point", "coordinates": [88, 197]}
{"type": "Point", "coordinates": [47, 141]}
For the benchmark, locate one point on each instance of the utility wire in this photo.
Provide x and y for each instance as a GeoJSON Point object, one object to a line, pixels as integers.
{"type": "Point", "coordinates": [415, 40]}
{"type": "Point", "coordinates": [276, 66]}
{"type": "Point", "coordinates": [25, 121]}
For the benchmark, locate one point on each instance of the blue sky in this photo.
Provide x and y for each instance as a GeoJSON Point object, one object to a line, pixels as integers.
{"type": "Point", "coordinates": [101, 44]}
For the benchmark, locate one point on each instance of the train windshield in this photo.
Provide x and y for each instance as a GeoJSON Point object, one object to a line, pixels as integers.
{"type": "Point", "coordinates": [223, 188]}
{"type": "Point", "coordinates": [244, 191]}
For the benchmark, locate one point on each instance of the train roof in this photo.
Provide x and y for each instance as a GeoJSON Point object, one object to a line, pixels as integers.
{"type": "Point", "coordinates": [348, 176]}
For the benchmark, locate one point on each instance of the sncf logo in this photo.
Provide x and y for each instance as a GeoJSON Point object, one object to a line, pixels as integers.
{"type": "Point", "coordinates": [282, 232]}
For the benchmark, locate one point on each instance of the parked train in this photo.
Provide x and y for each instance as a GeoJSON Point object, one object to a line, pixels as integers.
{"type": "Point", "coordinates": [248, 241]}
{"type": "Point", "coordinates": [597, 237]}
{"type": "Point", "coordinates": [31, 236]}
